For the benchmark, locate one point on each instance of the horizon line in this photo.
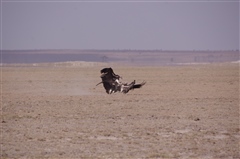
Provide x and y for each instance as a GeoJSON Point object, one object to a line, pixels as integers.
{"type": "Point", "coordinates": [121, 49]}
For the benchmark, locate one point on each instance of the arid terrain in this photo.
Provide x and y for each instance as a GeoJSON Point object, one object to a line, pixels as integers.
{"type": "Point", "coordinates": [57, 111]}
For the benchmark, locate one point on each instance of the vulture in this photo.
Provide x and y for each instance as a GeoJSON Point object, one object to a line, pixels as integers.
{"type": "Point", "coordinates": [111, 82]}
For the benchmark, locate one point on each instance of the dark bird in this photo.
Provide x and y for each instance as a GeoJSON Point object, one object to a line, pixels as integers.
{"type": "Point", "coordinates": [111, 82]}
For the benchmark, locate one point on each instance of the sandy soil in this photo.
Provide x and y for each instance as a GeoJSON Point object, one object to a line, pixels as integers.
{"type": "Point", "coordinates": [182, 112]}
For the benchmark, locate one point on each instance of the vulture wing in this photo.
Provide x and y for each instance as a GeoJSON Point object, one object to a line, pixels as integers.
{"type": "Point", "coordinates": [139, 85]}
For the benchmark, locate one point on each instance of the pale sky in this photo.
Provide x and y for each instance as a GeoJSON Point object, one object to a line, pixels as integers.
{"type": "Point", "coordinates": [167, 25]}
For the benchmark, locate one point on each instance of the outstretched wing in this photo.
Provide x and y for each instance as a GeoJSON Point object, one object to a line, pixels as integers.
{"type": "Point", "coordinates": [139, 85]}
{"type": "Point", "coordinates": [127, 87]}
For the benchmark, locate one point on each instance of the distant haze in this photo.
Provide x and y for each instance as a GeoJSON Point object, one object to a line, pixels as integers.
{"type": "Point", "coordinates": [173, 25]}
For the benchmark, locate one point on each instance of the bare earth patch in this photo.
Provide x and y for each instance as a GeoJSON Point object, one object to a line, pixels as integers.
{"type": "Point", "coordinates": [182, 112]}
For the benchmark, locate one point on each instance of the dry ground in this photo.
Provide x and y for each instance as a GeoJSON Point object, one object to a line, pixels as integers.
{"type": "Point", "coordinates": [182, 112]}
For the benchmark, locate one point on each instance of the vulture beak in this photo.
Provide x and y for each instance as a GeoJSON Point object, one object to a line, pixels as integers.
{"type": "Point", "coordinates": [103, 74]}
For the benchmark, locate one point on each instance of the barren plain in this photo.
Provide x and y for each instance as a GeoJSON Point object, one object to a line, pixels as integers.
{"type": "Point", "coordinates": [182, 112]}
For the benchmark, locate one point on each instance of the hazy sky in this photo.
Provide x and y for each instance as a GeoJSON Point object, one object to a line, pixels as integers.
{"type": "Point", "coordinates": [173, 25]}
